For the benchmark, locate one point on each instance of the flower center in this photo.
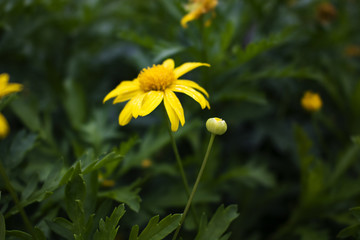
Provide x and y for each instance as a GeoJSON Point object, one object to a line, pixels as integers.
{"type": "Point", "coordinates": [156, 78]}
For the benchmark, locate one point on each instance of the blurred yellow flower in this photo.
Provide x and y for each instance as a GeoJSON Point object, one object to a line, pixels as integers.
{"type": "Point", "coordinates": [352, 51]}
{"type": "Point", "coordinates": [152, 86]}
{"type": "Point", "coordinates": [326, 13]}
{"type": "Point", "coordinates": [6, 88]}
{"type": "Point", "coordinates": [196, 8]}
{"type": "Point", "coordinates": [311, 101]}
{"type": "Point", "coordinates": [146, 163]}
{"type": "Point", "coordinates": [105, 182]}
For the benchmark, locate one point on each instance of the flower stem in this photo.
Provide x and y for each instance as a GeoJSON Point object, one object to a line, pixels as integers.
{"type": "Point", "coordinates": [188, 204]}
{"type": "Point", "coordinates": [21, 210]}
{"type": "Point", "coordinates": [181, 168]}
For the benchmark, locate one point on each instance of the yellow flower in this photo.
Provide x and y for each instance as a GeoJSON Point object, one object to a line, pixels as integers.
{"type": "Point", "coordinates": [6, 88]}
{"type": "Point", "coordinates": [311, 101]}
{"type": "Point", "coordinates": [146, 163]}
{"type": "Point", "coordinates": [105, 182]}
{"type": "Point", "coordinates": [196, 8]}
{"type": "Point", "coordinates": [326, 13]}
{"type": "Point", "coordinates": [352, 51]}
{"type": "Point", "coordinates": [152, 86]}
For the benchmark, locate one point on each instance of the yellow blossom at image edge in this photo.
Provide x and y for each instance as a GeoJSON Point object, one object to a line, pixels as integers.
{"type": "Point", "coordinates": [196, 9]}
{"type": "Point", "coordinates": [311, 101]}
{"type": "Point", "coordinates": [6, 88]}
{"type": "Point", "coordinates": [154, 85]}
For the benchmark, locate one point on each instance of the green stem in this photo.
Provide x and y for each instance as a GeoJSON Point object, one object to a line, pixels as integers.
{"type": "Point", "coordinates": [12, 192]}
{"type": "Point", "coordinates": [188, 204]}
{"type": "Point", "coordinates": [178, 160]}
{"type": "Point", "coordinates": [181, 168]}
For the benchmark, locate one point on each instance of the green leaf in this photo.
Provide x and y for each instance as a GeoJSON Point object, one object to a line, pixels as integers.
{"type": "Point", "coordinates": [61, 226]}
{"type": "Point", "coordinates": [27, 113]}
{"type": "Point", "coordinates": [125, 195]}
{"type": "Point", "coordinates": [108, 228]}
{"type": "Point", "coordinates": [156, 230]}
{"type": "Point", "coordinates": [75, 192]}
{"type": "Point", "coordinates": [250, 174]}
{"type": "Point", "coordinates": [356, 212]}
{"type": "Point", "coordinates": [256, 48]}
{"type": "Point", "coordinates": [39, 234]}
{"type": "Point", "coordinates": [134, 233]}
{"type": "Point", "coordinates": [350, 231]}
{"type": "Point", "coordinates": [307, 233]}
{"type": "Point", "coordinates": [4, 101]}
{"type": "Point", "coordinates": [345, 161]}
{"type": "Point", "coordinates": [74, 102]}
{"type": "Point", "coordinates": [22, 143]}
{"type": "Point", "coordinates": [166, 51]}
{"type": "Point", "coordinates": [218, 223]}
{"type": "Point", "coordinates": [2, 226]}
{"type": "Point", "coordinates": [19, 234]}
{"type": "Point", "coordinates": [113, 156]}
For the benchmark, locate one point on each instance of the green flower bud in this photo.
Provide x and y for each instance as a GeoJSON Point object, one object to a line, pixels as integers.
{"type": "Point", "coordinates": [216, 126]}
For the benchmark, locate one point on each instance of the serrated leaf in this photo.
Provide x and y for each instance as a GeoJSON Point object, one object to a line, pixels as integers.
{"type": "Point", "coordinates": [156, 230]}
{"type": "Point", "coordinates": [218, 223]}
{"type": "Point", "coordinates": [75, 192]}
{"type": "Point", "coordinates": [134, 233]}
{"type": "Point", "coordinates": [125, 195]}
{"type": "Point", "coordinates": [108, 228]}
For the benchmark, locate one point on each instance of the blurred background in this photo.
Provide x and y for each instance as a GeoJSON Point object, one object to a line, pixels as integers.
{"type": "Point", "coordinates": [292, 168]}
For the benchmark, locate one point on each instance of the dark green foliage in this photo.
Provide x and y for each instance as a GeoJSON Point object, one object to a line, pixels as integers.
{"type": "Point", "coordinates": [108, 228]}
{"type": "Point", "coordinates": [215, 229]}
{"type": "Point", "coordinates": [292, 174]}
{"type": "Point", "coordinates": [156, 230]}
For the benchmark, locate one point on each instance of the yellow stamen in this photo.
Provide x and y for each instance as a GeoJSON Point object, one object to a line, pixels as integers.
{"type": "Point", "coordinates": [156, 78]}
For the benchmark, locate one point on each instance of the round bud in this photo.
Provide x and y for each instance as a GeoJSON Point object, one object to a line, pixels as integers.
{"type": "Point", "coordinates": [216, 126]}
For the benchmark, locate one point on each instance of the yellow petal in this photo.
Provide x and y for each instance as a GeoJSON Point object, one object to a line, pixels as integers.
{"type": "Point", "coordinates": [174, 120]}
{"type": "Point", "coordinates": [151, 101]}
{"type": "Point", "coordinates": [7, 88]}
{"type": "Point", "coordinates": [11, 88]}
{"type": "Point", "coordinates": [169, 64]}
{"type": "Point", "coordinates": [123, 88]}
{"type": "Point", "coordinates": [126, 96]}
{"type": "Point", "coordinates": [192, 93]}
{"type": "Point", "coordinates": [137, 102]}
{"type": "Point", "coordinates": [173, 100]}
{"type": "Point", "coordinates": [4, 127]}
{"type": "Point", "coordinates": [4, 79]}
{"type": "Point", "coordinates": [187, 67]}
{"type": "Point", "coordinates": [190, 17]}
{"type": "Point", "coordinates": [191, 84]}
{"type": "Point", "coordinates": [126, 114]}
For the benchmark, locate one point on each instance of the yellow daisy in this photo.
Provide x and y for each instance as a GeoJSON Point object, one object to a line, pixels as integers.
{"type": "Point", "coordinates": [196, 8]}
{"type": "Point", "coordinates": [6, 88]}
{"type": "Point", "coordinates": [311, 101]}
{"type": "Point", "coordinates": [152, 86]}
